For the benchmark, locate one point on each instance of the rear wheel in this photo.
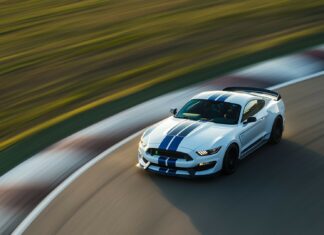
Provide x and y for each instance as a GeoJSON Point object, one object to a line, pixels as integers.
{"type": "Point", "coordinates": [276, 132]}
{"type": "Point", "coordinates": [230, 162]}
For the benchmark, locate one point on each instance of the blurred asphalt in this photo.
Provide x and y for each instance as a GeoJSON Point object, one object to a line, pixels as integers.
{"type": "Point", "coordinates": [277, 190]}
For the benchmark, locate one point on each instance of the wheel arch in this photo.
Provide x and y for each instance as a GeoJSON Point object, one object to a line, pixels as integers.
{"type": "Point", "coordinates": [226, 168]}
{"type": "Point", "coordinates": [279, 116]}
{"type": "Point", "coordinates": [237, 146]}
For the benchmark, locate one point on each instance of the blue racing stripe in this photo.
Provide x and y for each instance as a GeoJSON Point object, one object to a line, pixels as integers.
{"type": "Point", "coordinates": [223, 97]}
{"type": "Point", "coordinates": [162, 161]}
{"type": "Point", "coordinates": [171, 162]}
{"type": "Point", "coordinates": [186, 131]}
{"type": "Point", "coordinates": [165, 142]}
{"type": "Point", "coordinates": [178, 139]}
{"type": "Point", "coordinates": [163, 170]}
{"type": "Point", "coordinates": [172, 172]}
{"type": "Point", "coordinates": [174, 131]}
{"type": "Point", "coordinates": [177, 129]}
{"type": "Point", "coordinates": [175, 143]}
{"type": "Point", "coordinates": [213, 97]}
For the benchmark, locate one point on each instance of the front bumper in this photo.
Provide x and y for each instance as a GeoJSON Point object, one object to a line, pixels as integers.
{"type": "Point", "coordinates": [198, 166]}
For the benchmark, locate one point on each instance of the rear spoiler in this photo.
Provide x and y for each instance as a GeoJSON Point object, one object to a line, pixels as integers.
{"type": "Point", "coordinates": [261, 91]}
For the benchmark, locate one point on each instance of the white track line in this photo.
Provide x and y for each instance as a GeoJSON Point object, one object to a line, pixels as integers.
{"type": "Point", "coordinates": [22, 227]}
{"type": "Point", "coordinates": [314, 75]}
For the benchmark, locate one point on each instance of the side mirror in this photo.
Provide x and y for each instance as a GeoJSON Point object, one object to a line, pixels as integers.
{"type": "Point", "coordinates": [249, 120]}
{"type": "Point", "coordinates": [174, 111]}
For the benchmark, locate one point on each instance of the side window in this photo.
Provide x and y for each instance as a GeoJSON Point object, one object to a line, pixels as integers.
{"type": "Point", "coordinates": [253, 107]}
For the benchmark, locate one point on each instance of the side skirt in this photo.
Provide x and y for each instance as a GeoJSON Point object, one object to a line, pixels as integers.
{"type": "Point", "coordinates": [254, 146]}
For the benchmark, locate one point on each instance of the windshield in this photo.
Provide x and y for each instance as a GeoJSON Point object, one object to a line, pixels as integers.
{"type": "Point", "coordinates": [208, 110]}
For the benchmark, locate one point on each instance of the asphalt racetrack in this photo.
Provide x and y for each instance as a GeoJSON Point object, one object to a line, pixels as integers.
{"type": "Point", "coordinates": [277, 190]}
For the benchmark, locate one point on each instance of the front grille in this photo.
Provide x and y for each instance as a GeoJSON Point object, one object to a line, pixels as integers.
{"type": "Point", "coordinates": [168, 153]}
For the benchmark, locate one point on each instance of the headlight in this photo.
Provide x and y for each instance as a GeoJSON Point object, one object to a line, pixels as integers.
{"type": "Point", "coordinates": [208, 152]}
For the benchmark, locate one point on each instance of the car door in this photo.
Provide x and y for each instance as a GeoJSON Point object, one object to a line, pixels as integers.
{"type": "Point", "coordinates": [253, 132]}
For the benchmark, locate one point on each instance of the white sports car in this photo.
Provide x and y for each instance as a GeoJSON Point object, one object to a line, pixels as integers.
{"type": "Point", "coordinates": [212, 132]}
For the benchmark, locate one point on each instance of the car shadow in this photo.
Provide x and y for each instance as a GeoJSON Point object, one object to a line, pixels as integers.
{"type": "Point", "coordinates": [277, 190]}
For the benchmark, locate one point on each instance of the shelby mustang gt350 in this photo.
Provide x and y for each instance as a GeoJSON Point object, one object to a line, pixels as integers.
{"type": "Point", "coordinates": [212, 132]}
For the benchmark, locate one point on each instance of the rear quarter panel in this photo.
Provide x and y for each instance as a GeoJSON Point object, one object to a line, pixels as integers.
{"type": "Point", "coordinates": [275, 109]}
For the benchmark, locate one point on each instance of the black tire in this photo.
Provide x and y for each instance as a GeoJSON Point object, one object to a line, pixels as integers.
{"type": "Point", "coordinates": [230, 162]}
{"type": "Point", "coordinates": [276, 131]}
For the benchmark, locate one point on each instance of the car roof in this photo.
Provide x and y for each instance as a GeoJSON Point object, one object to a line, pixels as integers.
{"type": "Point", "coordinates": [227, 96]}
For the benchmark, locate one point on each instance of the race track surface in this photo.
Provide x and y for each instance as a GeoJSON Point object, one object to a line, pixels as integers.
{"type": "Point", "coordinates": [277, 190]}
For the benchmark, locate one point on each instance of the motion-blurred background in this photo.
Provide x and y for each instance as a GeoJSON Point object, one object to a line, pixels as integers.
{"type": "Point", "coordinates": [60, 58]}
{"type": "Point", "coordinates": [67, 64]}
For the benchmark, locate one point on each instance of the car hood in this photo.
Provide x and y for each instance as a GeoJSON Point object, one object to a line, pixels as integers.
{"type": "Point", "coordinates": [174, 133]}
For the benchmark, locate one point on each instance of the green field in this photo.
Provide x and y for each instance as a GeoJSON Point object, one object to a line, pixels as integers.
{"type": "Point", "coordinates": [62, 58]}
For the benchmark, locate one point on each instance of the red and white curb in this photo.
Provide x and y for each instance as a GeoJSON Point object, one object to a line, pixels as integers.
{"type": "Point", "coordinates": [27, 189]}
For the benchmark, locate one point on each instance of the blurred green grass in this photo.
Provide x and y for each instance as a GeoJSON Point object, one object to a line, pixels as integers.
{"type": "Point", "coordinates": [58, 56]}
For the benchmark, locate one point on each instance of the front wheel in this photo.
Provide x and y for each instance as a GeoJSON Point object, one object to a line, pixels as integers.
{"type": "Point", "coordinates": [230, 162]}
{"type": "Point", "coordinates": [276, 132]}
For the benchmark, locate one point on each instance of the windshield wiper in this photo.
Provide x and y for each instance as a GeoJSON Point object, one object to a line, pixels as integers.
{"type": "Point", "coordinates": [206, 120]}
{"type": "Point", "coordinates": [183, 117]}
